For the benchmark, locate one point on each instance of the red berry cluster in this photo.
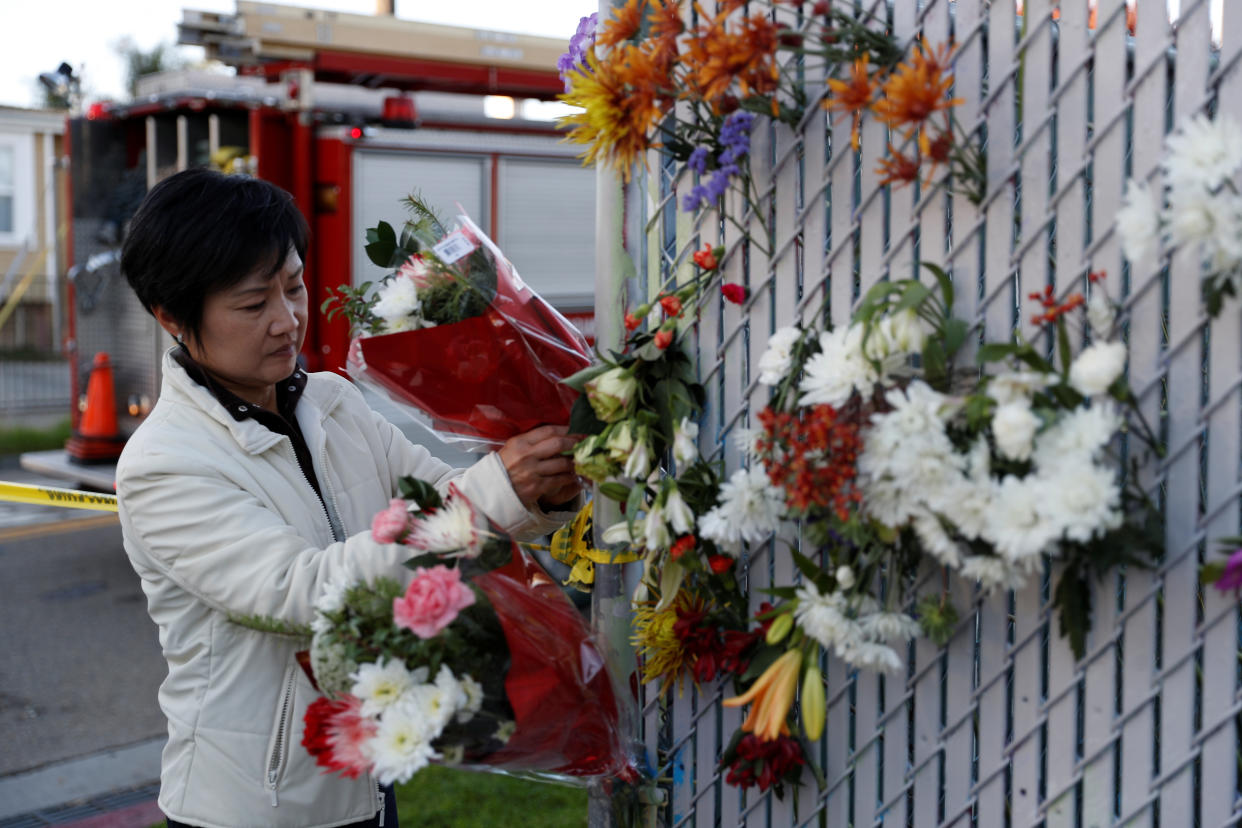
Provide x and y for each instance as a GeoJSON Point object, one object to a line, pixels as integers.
{"type": "Point", "coordinates": [1054, 310]}
{"type": "Point", "coordinates": [813, 456]}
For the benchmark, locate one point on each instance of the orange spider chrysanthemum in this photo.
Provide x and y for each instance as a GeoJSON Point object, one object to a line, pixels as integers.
{"type": "Point", "coordinates": [716, 57]}
{"type": "Point", "coordinates": [897, 168]}
{"type": "Point", "coordinates": [666, 26]}
{"type": "Point", "coordinates": [917, 90]}
{"type": "Point", "coordinates": [938, 150]}
{"type": "Point", "coordinates": [852, 96]}
{"type": "Point", "coordinates": [616, 118]}
{"type": "Point", "coordinates": [624, 24]}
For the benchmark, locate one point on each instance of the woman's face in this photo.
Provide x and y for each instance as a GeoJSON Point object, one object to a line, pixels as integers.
{"type": "Point", "coordinates": [252, 332]}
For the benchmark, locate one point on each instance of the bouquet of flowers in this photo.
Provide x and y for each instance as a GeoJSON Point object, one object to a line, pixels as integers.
{"type": "Point", "coordinates": [454, 332]}
{"type": "Point", "coordinates": [480, 660]}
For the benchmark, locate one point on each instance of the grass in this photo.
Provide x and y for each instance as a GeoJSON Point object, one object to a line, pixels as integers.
{"type": "Point", "coordinates": [439, 797]}
{"type": "Point", "coordinates": [18, 439]}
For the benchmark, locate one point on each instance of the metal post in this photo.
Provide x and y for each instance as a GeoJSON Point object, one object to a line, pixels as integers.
{"type": "Point", "coordinates": [618, 243]}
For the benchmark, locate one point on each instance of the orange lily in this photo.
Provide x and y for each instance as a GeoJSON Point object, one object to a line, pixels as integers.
{"type": "Point", "coordinates": [773, 695]}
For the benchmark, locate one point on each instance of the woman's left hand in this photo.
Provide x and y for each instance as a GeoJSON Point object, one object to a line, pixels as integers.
{"type": "Point", "coordinates": [538, 467]}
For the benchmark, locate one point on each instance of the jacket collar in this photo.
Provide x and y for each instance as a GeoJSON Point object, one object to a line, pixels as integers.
{"type": "Point", "coordinates": [317, 402]}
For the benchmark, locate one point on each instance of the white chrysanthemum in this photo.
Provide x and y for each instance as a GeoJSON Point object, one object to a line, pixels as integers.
{"type": "Point", "coordinates": [746, 440]}
{"type": "Point", "coordinates": [1101, 314]}
{"type": "Point", "coordinates": [889, 626]}
{"type": "Point", "coordinates": [401, 746]}
{"type": "Point", "coordinates": [992, 573]}
{"type": "Point", "coordinates": [454, 527]}
{"type": "Point", "coordinates": [1017, 386]}
{"type": "Point", "coordinates": [440, 700]}
{"type": "Point", "coordinates": [1017, 527]}
{"type": "Point", "coordinates": [776, 360]}
{"type": "Point", "coordinates": [935, 539]}
{"type": "Point", "coordinates": [1203, 153]}
{"type": "Point", "coordinates": [474, 698]}
{"type": "Point", "coordinates": [1078, 434]}
{"type": "Point", "coordinates": [398, 301]}
{"type": "Point", "coordinates": [824, 619]}
{"type": "Point", "coordinates": [1014, 426]}
{"type": "Point", "coordinates": [838, 370]}
{"type": "Point", "coordinates": [1097, 367]}
{"type": "Point", "coordinates": [678, 512]}
{"type": "Point", "coordinates": [749, 509]}
{"type": "Point", "coordinates": [1138, 222]}
{"type": "Point", "coordinates": [1082, 500]}
{"type": "Point", "coordinates": [686, 441]}
{"type": "Point", "coordinates": [873, 656]}
{"type": "Point", "coordinates": [382, 684]}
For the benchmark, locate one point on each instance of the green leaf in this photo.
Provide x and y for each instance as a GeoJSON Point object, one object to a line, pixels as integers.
{"type": "Point", "coordinates": [996, 351]}
{"type": "Point", "coordinates": [762, 660]}
{"type": "Point", "coordinates": [946, 284]}
{"type": "Point", "coordinates": [1063, 346]}
{"type": "Point", "coordinates": [382, 244]}
{"type": "Point", "coordinates": [915, 294]}
{"type": "Point", "coordinates": [421, 492]}
{"type": "Point", "coordinates": [633, 505]}
{"type": "Point", "coordinates": [582, 419]}
{"type": "Point", "coordinates": [614, 491]}
{"type": "Point", "coordinates": [424, 561]}
{"type": "Point", "coordinates": [954, 336]}
{"type": "Point", "coordinates": [1211, 572]}
{"type": "Point", "coordinates": [788, 593]}
{"type": "Point", "coordinates": [579, 380]}
{"type": "Point", "coordinates": [1073, 602]}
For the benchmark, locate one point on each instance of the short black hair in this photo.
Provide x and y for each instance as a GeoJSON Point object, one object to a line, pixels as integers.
{"type": "Point", "coordinates": [199, 232]}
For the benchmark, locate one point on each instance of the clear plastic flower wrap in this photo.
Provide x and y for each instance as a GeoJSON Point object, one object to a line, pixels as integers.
{"type": "Point", "coordinates": [456, 337]}
{"type": "Point", "coordinates": [480, 661]}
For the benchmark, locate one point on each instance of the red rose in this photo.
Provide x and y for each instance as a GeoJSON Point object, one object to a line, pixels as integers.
{"type": "Point", "coordinates": [720, 563]}
{"type": "Point", "coordinates": [663, 339]}
{"type": "Point", "coordinates": [734, 293]}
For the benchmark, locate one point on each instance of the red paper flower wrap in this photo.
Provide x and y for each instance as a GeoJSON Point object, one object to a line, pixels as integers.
{"type": "Point", "coordinates": [488, 378]}
{"type": "Point", "coordinates": [557, 684]}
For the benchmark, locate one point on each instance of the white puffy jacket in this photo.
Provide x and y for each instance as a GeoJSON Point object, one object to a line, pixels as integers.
{"type": "Point", "coordinates": [219, 520]}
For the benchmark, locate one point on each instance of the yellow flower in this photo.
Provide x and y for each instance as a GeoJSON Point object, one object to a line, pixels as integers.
{"type": "Point", "coordinates": [773, 695]}
{"type": "Point", "coordinates": [663, 656]}
{"type": "Point", "coordinates": [617, 116]}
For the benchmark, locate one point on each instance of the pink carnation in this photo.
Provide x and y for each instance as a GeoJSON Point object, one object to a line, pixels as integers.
{"type": "Point", "coordinates": [392, 524]}
{"type": "Point", "coordinates": [431, 601]}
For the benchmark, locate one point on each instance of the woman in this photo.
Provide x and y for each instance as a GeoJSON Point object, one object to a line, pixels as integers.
{"type": "Point", "coordinates": [250, 486]}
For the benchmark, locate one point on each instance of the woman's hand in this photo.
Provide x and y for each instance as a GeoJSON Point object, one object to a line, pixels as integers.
{"type": "Point", "coordinates": [538, 466]}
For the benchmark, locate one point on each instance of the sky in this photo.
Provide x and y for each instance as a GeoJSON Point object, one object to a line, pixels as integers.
{"type": "Point", "coordinates": [36, 35]}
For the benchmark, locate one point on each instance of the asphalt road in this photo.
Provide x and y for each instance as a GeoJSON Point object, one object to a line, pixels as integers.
{"type": "Point", "coordinates": [80, 659]}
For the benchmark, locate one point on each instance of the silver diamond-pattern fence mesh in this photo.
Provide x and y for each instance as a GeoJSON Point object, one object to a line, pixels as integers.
{"type": "Point", "coordinates": [1001, 727]}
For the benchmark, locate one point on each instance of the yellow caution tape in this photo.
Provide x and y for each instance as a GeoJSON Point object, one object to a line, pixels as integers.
{"type": "Point", "coordinates": [570, 546]}
{"type": "Point", "coordinates": [49, 496]}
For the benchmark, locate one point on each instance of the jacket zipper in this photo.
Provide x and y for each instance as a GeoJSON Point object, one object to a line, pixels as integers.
{"type": "Point", "coordinates": [322, 503]}
{"type": "Point", "coordinates": [276, 763]}
{"type": "Point", "coordinates": [382, 797]}
{"type": "Point", "coordinates": [330, 495]}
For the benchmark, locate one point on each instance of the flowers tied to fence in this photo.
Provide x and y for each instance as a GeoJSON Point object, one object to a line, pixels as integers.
{"type": "Point", "coordinates": [1198, 206]}
{"type": "Point", "coordinates": [453, 332]}
{"type": "Point", "coordinates": [650, 81]}
{"type": "Point", "coordinates": [479, 660]}
{"type": "Point", "coordinates": [895, 460]}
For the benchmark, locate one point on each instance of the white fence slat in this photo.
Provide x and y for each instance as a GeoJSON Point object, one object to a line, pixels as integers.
{"type": "Point", "coordinates": [959, 711]}
{"type": "Point", "coordinates": [1027, 742]}
{"type": "Point", "coordinates": [993, 709]}
{"type": "Point", "coordinates": [928, 755]}
{"type": "Point", "coordinates": [1037, 141]}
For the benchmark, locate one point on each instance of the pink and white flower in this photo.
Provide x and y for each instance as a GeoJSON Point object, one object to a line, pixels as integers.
{"type": "Point", "coordinates": [432, 601]}
{"type": "Point", "coordinates": [392, 525]}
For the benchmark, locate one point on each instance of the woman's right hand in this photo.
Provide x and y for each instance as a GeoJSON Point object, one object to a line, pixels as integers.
{"type": "Point", "coordinates": [539, 466]}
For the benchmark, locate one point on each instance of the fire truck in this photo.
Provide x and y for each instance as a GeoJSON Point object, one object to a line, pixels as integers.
{"type": "Point", "coordinates": [349, 113]}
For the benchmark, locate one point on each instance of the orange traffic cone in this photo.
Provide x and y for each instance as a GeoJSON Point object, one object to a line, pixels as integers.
{"type": "Point", "coordinates": [97, 439]}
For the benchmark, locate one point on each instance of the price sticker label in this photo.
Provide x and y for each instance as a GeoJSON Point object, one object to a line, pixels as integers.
{"type": "Point", "coordinates": [453, 247]}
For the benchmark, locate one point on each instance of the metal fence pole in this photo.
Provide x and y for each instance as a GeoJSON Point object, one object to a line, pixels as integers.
{"type": "Point", "coordinates": [618, 245]}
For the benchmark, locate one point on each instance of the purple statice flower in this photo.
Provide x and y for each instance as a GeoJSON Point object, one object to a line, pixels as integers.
{"type": "Point", "coordinates": [1231, 578]}
{"type": "Point", "coordinates": [735, 136]}
{"type": "Point", "coordinates": [698, 160]}
{"type": "Point", "coordinates": [582, 40]}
